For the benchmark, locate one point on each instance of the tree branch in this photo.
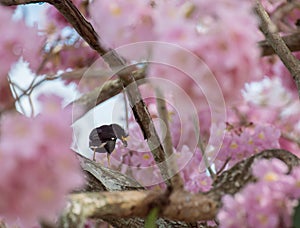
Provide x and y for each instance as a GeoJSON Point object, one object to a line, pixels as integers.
{"type": "Point", "coordinates": [111, 180]}
{"type": "Point", "coordinates": [179, 205]}
{"type": "Point", "coordinates": [99, 179]}
{"type": "Point", "coordinates": [273, 37]}
{"type": "Point", "coordinates": [292, 42]}
{"type": "Point", "coordinates": [79, 23]}
{"type": "Point", "coordinates": [138, 223]}
{"type": "Point", "coordinates": [102, 93]}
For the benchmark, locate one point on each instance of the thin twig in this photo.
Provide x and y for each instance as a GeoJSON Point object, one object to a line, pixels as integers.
{"type": "Point", "coordinates": [176, 180]}
{"type": "Point", "coordinates": [223, 166]}
{"type": "Point", "coordinates": [273, 37]}
{"type": "Point", "coordinates": [200, 145]}
{"type": "Point", "coordinates": [13, 85]}
{"type": "Point", "coordinates": [206, 162]}
{"type": "Point", "coordinates": [31, 106]}
{"type": "Point", "coordinates": [292, 41]}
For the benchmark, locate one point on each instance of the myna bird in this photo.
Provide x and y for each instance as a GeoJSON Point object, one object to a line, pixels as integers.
{"type": "Point", "coordinates": [103, 139]}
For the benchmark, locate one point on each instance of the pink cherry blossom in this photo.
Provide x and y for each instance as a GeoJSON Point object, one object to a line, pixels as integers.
{"type": "Point", "coordinates": [271, 101]}
{"type": "Point", "coordinates": [269, 202]}
{"type": "Point", "coordinates": [295, 190]}
{"type": "Point", "coordinates": [227, 47]}
{"type": "Point", "coordinates": [269, 170]}
{"type": "Point", "coordinates": [274, 68]}
{"type": "Point", "coordinates": [122, 29]}
{"type": "Point", "coordinates": [15, 46]}
{"type": "Point", "coordinates": [242, 142]}
{"type": "Point", "coordinates": [198, 182]}
{"type": "Point", "coordinates": [37, 166]}
{"type": "Point", "coordinates": [233, 214]}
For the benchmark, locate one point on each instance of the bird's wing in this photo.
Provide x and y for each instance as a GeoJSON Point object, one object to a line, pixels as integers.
{"type": "Point", "coordinates": [94, 135]}
{"type": "Point", "coordinates": [94, 140]}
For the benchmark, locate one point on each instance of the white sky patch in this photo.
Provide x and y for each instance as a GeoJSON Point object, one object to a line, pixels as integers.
{"type": "Point", "coordinates": [34, 14]}
{"type": "Point", "coordinates": [23, 77]}
{"type": "Point", "coordinates": [111, 111]}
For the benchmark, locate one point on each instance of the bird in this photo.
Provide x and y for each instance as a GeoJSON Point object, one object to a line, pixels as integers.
{"type": "Point", "coordinates": [103, 139]}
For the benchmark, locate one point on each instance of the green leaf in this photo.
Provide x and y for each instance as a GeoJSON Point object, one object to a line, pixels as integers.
{"type": "Point", "coordinates": [151, 218]}
{"type": "Point", "coordinates": [296, 217]}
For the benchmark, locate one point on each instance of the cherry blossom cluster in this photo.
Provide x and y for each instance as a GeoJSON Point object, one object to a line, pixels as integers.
{"type": "Point", "coordinates": [15, 46]}
{"type": "Point", "coordinates": [240, 143]}
{"type": "Point", "coordinates": [270, 101]}
{"type": "Point", "coordinates": [38, 168]}
{"type": "Point", "coordinates": [233, 57]}
{"type": "Point", "coordinates": [195, 25]}
{"type": "Point", "coordinates": [269, 202]}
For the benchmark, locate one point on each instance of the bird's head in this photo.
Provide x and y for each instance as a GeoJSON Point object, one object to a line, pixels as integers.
{"type": "Point", "coordinates": [120, 133]}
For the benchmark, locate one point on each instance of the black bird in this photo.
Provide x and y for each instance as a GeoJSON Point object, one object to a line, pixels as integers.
{"type": "Point", "coordinates": [103, 139]}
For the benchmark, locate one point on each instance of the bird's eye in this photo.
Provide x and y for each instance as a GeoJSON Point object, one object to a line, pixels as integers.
{"type": "Point", "coordinates": [113, 138]}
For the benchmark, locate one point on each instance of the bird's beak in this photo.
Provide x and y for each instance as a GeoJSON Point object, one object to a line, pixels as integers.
{"type": "Point", "coordinates": [124, 140]}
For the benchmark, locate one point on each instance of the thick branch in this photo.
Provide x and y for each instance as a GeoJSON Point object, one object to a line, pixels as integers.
{"type": "Point", "coordinates": [102, 93]}
{"type": "Point", "coordinates": [99, 178]}
{"type": "Point", "coordinates": [273, 37]}
{"type": "Point", "coordinates": [138, 223]}
{"type": "Point", "coordinates": [180, 205]}
{"type": "Point", "coordinates": [110, 179]}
